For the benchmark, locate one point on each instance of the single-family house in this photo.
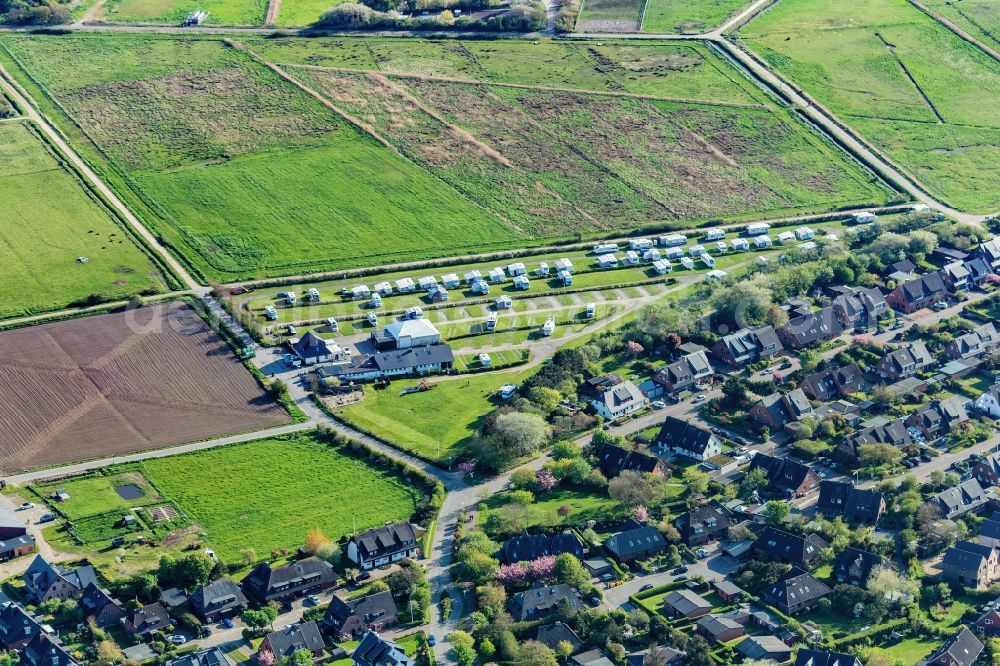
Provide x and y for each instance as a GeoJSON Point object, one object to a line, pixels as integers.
{"type": "Point", "coordinates": [971, 564]}
{"type": "Point", "coordinates": [855, 567]}
{"type": "Point", "coordinates": [619, 400]}
{"type": "Point", "coordinates": [796, 592]}
{"type": "Point", "coordinates": [44, 581]}
{"type": "Point", "coordinates": [861, 306]}
{"type": "Point", "coordinates": [918, 293]}
{"type": "Point", "coordinates": [688, 371]}
{"type": "Point", "coordinates": [891, 432]}
{"type": "Point", "coordinates": [989, 533]}
{"type": "Point", "coordinates": [595, 386]}
{"type": "Point", "coordinates": [685, 603]}
{"type": "Point", "coordinates": [901, 271]}
{"type": "Point", "coordinates": [98, 604]}
{"type": "Point", "coordinates": [764, 647]}
{"type": "Point", "coordinates": [218, 599]}
{"type": "Point", "coordinates": [962, 649]}
{"type": "Point", "coordinates": [312, 349]}
{"type": "Point", "coordinates": [687, 438]}
{"type": "Point", "coordinates": [17, 626]}
{"type": "Point", "coordinates": [747, 345]}
{"type": "Point", "coordinates": [810, 657]}
{"type": "Point", "coordinates": [635, 541]}
{"type": "Point", "coordinates": [373, 650]}
{"type": "Point", "coordinates": [855, 505]}
{"type": "Point", "coordinates": [542, 601]}
{"type": "Point", "coordinates": [987, 469]}
{"type": "Point", "coordinates": [526, 547]}
{"type": "Point", "coordinates": [978, 269]}
{"type": "Point", "coordinates": [785, 478]}
{"type": "Point", "coordinates": [905, 361]}
{"type": "Point", "coordinates": [613, 460]}
{"type": "Point", "coordinates": [551, 635]}
{"type": "Point", "coordinates": [595, 657]}
{"type": "Point", "coordinates": [956, 276]}
{"type": "Point", "coordinates": [833, 383]}
{"type": "Point", "coordinates": [781, 409]}
{"type": "Point", "coordinates": [147, 620]}
{"type": "Point", "coordinates": [961, 499]}
{"type": "Point", "coordinates": [383, 545]}
{"type": "Point", "coordinates": [661, 654]}
{"type": "Point", "coordinates": [45, 650]}
{"type": "Point", "coordinates": [939, 417]}
{"type": "Point", "coordinates": [777, 545]}
{"type": "Point", "coordinates": [977, 343]}
{"type": "Point", "coordinates": [811, 327]}
{"type": "Point", "coordinates": [346, 620]}
{"type": "Point", "coordinates": [291, 581]}
{"type": "Point", "coordinates": [989, 622]}
{"type": "Point", "coordinates": [213, 656]}
{"type": "Point", "coordinates": [295, 637]}
{"type": "Point", "coordinates": [703, 524]}
{"type": "Point", "coordinates": [727, 590]}
{"type": "Point", "coordinates": [720, 629]}
{"type": "Point", "coordinates": [990, 252]}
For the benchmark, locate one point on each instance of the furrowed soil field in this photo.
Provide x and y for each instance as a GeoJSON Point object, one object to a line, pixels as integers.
{"type": "Point", "coordinates": [50, 220]}
{"type": "Point", "coordinates": [275, 490]}
{"type": "Point", "coordinates": [688, 16]}
{"type": "Point", "coordinates": [118, 383]}
{"type": "Point", "coordinates": [918, 92]}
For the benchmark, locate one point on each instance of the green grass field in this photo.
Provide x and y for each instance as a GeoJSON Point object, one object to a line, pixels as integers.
{"type": "Point", "coordinates": [543, 512]}
{"type": "Point", "coordinates": [174, 12]}
{"type": "Point", "coordinates": [433, 424]}
{"type": "Point", "coordinates": [913, 88]}
{"type": "Point", "coordinates": [273, 491]}
{"type": "Point", "coordinates": [610, 16]}
{"type": "Point", "coordinates": [50, 220]}
{"type": "Point", "coordinates": [979, 18]}
{"type": "Point", "coordinates": [301, 13]}
{"type": "Point", "coordinates": [688, 16]}
{"type": "Point", "coordinates": [92, 495]}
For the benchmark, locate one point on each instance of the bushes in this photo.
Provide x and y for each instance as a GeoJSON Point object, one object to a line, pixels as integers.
{"type": "Point", "coordinates": [569, 10]}
{"type": "Point", "coordinates": [524, 16]}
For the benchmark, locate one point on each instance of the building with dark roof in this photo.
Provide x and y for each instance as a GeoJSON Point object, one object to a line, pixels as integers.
{"type": "Point", "coordinates": [212, 656]}
{"type": "Point", "coordinates": [855, 566]}
{"type": "Point", "coordinates": [526, 547]}
{"type": "Point", "coordinates": [834, 383]}
{"type": "Point", "coordinates": [619, 400]}
{"type": "Point", "coordinates": [785, 478]}
{"type": "Point", "coordinates": [854, 505]}
{"type": "Point", "coordinates": [811, 327]}
{"type": "Point", "coordinates": [719, 628]}
{"type": "Point", "coordinates": [613, 460]}
{"type": "Point", "coordinates": [218, 599]}
{"type": "Point", "coordinates": [15, 541]}
{"type": "Point", "coordinates": [295, 637]}
{"type": "Point", "coordinates": [383, 545]}
{"type": "Point", "coordinates": [45, 650]}
{"type": "Point", "coordinates": [971, 565]}
{"type": "Point", "coordinates": [311, 348]}
{"type": "Point", "coordinates": [989, 622]}
{"type": "Point", "coordinates": [374, 650]}
{"type": "Point", "coordinates": [989, 533]}
{"type": "Point", "coordinates": [667, 656]}
{"type": "Point", "coordinates": [939, 417]}
{"type": "Point", "coordinates": [764, 647]}
{"type": "Point", "coordinates": [918, 293]}
{"type": "Point", "coordinates": [98, 604]}
{"type": "Point", "coordinates": [860, 306]}
{"type": "Point", "coordinates": [962, 649]}
{"type": "Point", "coordinates": [553, 634]}
{"type": "Point", "coordinates": [809, 657]}
{"type": "Point", "coordinates": [350, 619]}
{"type": "Point", "coordinates": [686, 438]}
{"type": "Point", "coordinates": [796, 592]}
{"type": "Point", "coordinates": [987, 469]}
{"type": "Point", "coordinates": [777, 545]}
{"type": "Point", "coordinates": [296, 579]}
{"type": "Point", "coordinates": [635, 542]}
{"type": "Point", "coordinates": [542, 601]}
{"type": "Point", "coordinates": [688, 371]}
{"type": "Point", "coordinates": [778, 410]}
{"type": "Point", "coordinates": [17, 626]}
{"type": "Point", "coordinates": [747, 345]}
{"type": "Point", "coordinates": [892, 432]}
{"type": "Point", "coordinates": [978, 342]}
{"type": "Point", "coordinates": [685, 603]}
{"type": "Point", "coordinates": [960, 500]}
{"type": "Point", "coordinates": [147, 620]}
{"type": "Point", "coordinates": [905, 361]}
{"type": "Point", "coordinates": [44, 581]}
{"type": "Point", "coordinates": [701, 525]}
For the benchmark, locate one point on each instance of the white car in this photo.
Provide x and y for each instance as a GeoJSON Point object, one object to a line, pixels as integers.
{"type": "Point", "coordinates": [698, 399]}
{"type": "Point", "coordinates": [27, 505]}
{"type": "Point", "coordinates": [658, 404]}
{"type": "Point", "coordinates": [701, 552]}
{"type": "Point", "coordinates": [177, 639]}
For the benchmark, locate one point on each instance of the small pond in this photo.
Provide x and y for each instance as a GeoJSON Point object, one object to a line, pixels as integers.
{"type": "Point", "coordinates": [129, 491]}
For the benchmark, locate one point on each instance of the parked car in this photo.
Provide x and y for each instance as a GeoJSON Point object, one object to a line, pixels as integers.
{"type": "Point", "coordinates": [313, 599]}
{"type": "Point", "coordinates": [228, 623]}
{"type": "Point", "coordinates": [177, 639]}
{"type": "Point", "coordinates": [47, 518]}
{"type": "Point", "coordinates": [432, 640]}
{"type": "Point", "coordinates": [926, 457]}
{"type": "Point", "coordinates": [698, 399]}
{"type": "Point", "coordinates": [27, 505]}
{"type": "Point", "coordinates": [658, 404]}
{"type": "Point", "coordinates": [898, 325]}
{"type": "Point", "coordinates": [701, 552]}
{"type": "Point", "coordinates": [680, 570]}
{"type": "Point", "coordinates": [364, 575]}
{"type": "Point", "coordinates": [647, 586]}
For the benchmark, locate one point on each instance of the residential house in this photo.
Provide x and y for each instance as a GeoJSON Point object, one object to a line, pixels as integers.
{"type": "Point", "coordinates": [796, 592]}
{"type": "Point", "coordinates": [956, 276]}
{"type": "Point", "coordinates": [685, 603]}
{"type": "Point", "coordinates": [374, 650]}
{"type": "Point", "coordinates": [960, 500]}
{"type": "Point", "coordinates": [686, 438]}
{"type": "Point", "coordinates": [312, 349]}
{"type": "Point", "coordinates": [989, 622]}
{"type": "Point", "coordinates": [667, 656]}
{"type": "Point", "coordinates": [747, 345]}
{"type": "Point", "coordinates": [939, 417]}
{"type": "Point", "coordinates": [989, 533]}
{"type": "Point", "coordinates": [891, 432]}
{"type": "Point", "coordinates": [978, 269]}
{"type": "Point", "coordinates": [688, 371]}
{"type": "Point", "coordinates": [833, 383]}
{"type": "Point", "coordinates": [213, 656]}
{"type": "Point", "coordinates": [962, 649]}
{"type": "Point", "coordinates": [855, 505]}
{"type": "Point", "coordinates": [346, 620]}
{"type": "Point", "coordinates": [971, 565]}
{"type": "Point", "coordinates": [613, 460]}
{"type": "Point", "coordinates": [987, 469]}
{"type": "Point", "coordinates": [297, 579]}
{"type": "Point", "coordinates": [17, 626]}
{"type": "Point", "coordinates": [552, 635]}
{"type": "Point", "coordinates": [595, 386]}
{"type": "Point", "coordinates": [44, 581]}
{"type": "Point", "coordinates": [988, 403]}
{"type": "Point", "coordinates": [777, 545]}
{"type": "Point", "coordinates": [593, 657]}
{"type": "Point", "coordinates": [174, 599]}
{"type": "Point", "coordinates": [145, 621]}
{"type": "Point", "coordinates": [810, 657]}
{"type": "Point", "coordinates": [619, 400]}
{"type": "Point", "coordinates": [292, 638]}
{"type": "Point", "coordinates": [861, 306]}
{"type": "Point", "coordinates": [980, 341]}
{"type": "Point", "coordinates": [217, 600]}
{"type": "Point", "coordinates": [990, 252]}
{"type": "Point", "coordinates": [855, 566]}
{"type": "Point", "coordinates": [918, 293]}
{"type": "Point", "coordinates": [635, 541]}
{"type": "Point", "coordinates": [727, 591]}
{"type": "Point", "coordinates": [764, 647]}
{"type": "Point", "coordinates": [701, 525]}
{"type": "Point", "coordinates": [901, 271]}
{"type": "Point", "coordinates": [99, 605]}
{"type": "Point", "coordinates": [811, 327]}
{"type": "Point", "coordinates": [786, 478]}
{"type": "Point", "coordinates": [526, 547]}
{"type": "Point", "coordinates": [906, 361]}
{"type": "Point", "coordinates": [15, 541]}
{"type": "Point", "coordinates": [778, 410]}
{"type": "Point", "coordinates": [719, 629]}
{"type": "Point", "coordinates": [45, 650]}
{"type": "Point", "coordinates": [542, 601]}
{"type": "Point", "coordinates": [383, 545]}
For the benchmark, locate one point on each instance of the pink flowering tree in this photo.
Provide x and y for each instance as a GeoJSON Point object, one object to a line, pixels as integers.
{"type": "Point", "coordinates": [640, 513]}
{"type": "Point", "coordinates": [265, 658]}
{"type": "Point", "coordinates": [544, 567]}
{"type": "Point", "coordinates": [511, 574]}
{"type": "Point", "coordinates": [993, 278]}
{"type": "Point", "coordinates": [467, 467]}
{"type": "Point", "coordinates": [546, 481]}
{"type": "Point", "coordinates": [634, 349]}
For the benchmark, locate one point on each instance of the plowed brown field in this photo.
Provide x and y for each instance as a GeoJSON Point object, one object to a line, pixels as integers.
{"type": "Point", "coordinates": [119, 383]}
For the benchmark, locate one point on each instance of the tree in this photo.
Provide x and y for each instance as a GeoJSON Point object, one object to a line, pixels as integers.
{"type": "Point", "coordinates": [736, 390]}
{"type": "Point", "coordinates": [698, 653]}
{"type": "Point", "coordinates": [302, 657]}
{"type": "Point", "coordinates": [696, 480]}
{"type": "Point", "coordinates": [634, 349]}
{"type": "Point", "coordinates": [669, 532]}
{"type": "Point", "coordinates": [640, 514]}
{"type": "Point", "coordinates": [776, 317]}
{"type": "Point", "coordinates": [879, 454]}
{"type": "Point", "coordinates": [258, 621]}
{"type": "Point", "coordinates": [523, 478]}
{"type": "Point", "coordinates": [632, 488]}
{"type": "Point", "coordinates": [533, 653]}
{"type": "Point", "coordinates": [108, 652]}
{"type": "Point", "coordinates": [511, 436]}
{"type": "Point", "coordinates": [752, 482]}
{"type": "Point", "coordinates": [888, 584]}
{"type": "Point", "coordinates": [742, 304]}
{"type": "Point", "coordinates": [315, 539]}
{"type": "Point", "coordinates": [446, 17]}
{"type": "Point", "coordinates": [188, 572]}
{"type": "Point", "coordinates": [569, 571]}
{"type": "Point", "coordinates": [487, 649]}
{"type": "Point", "coordinates": [776, 512]}
{"type": "Point", "coordinates": [462, 646]}
{"type": "Point", "coordinates": [545, 397]}
{"type": "Point", "coordinates": [265, 658]}
{"type": "Point", "coordinates": [546, 480]}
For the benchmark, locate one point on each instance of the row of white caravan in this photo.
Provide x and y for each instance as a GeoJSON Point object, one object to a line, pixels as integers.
{"type": "Point", "coordinates": [643, 245]}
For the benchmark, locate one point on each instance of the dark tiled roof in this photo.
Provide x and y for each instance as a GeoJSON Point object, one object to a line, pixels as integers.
{"type": "Point", "coordinates": [377, 651]}
{"type": "Point", "coordinates": [855, 564]}
{"type": "Point", "coordinates": [794, 588]}
{"type": "Point", "coordinates": [212, 656]}
{"type": "Point", "coordinates": [681, 434]}
{"type": "Point", "coordinates": [963, 649]}
{"type": "Point", "coordinates": [634, 539]}
{"type": "Point", "coordinates": [553, 634]}
{"type": "Point", "coordinates": [526, 546]}
{"type": "Point", "coordinates": [540, 601]}
{"type": "Point", "coordinates": [221, 594]}
{"type": "Point", "coordinates": [386, 540]}
{"type": "Point", "coordinates": [807, 657]}
{"type": "Point", "coordinates": [778, 544]}
{"type": "Point", "coordinates": [43, 650]}
{"type": "Point", "coordinates": [302, 636]}
{"type": "Point", "coordinates": [613, 460]}
{"type": "Point", "coordinates": [266, 579]}
{"type": "Point", "coordinates": [783, 475]}
{"type": "Point", "coordinates": [16, 625]}
{"type": "Point", "coordinates": [841, 497]}
{"type": "Point", "coordinates": [373, 609]}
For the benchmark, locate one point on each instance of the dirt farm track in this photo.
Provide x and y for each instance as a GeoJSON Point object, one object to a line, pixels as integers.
{"type": "Point", "coordinates": [120, 383]}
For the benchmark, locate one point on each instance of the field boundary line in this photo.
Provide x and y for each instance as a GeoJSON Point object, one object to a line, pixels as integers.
{"type": "Point", "coordinates": [961, 34]}
{"type": "Point", "coordinates": [906, 72]}
{"type": "Point", "coordinates": [523, 86]}
{"type": "Point", "coordinates": [100, 308]}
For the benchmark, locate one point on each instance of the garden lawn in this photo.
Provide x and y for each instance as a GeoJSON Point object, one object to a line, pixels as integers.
{"type": "Point", "coordinates": [268, 494]}
{"type": "Point", "coordinates": [432, 424]}
{"type": "Point", "coordinates": [301, 13]}
{"type": "Point", "coordinates": [49, 221]}
{"type": "Point", "coordinates": [220, 12]}
{"type": "Point", "coordinates": [688, 16]}
{"type": "Point", "coordinates": [914, 89]}
{"type": "Point", "coordinates": [543, 512]}
{"type": "Point", "coordinates": [92, 495]}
